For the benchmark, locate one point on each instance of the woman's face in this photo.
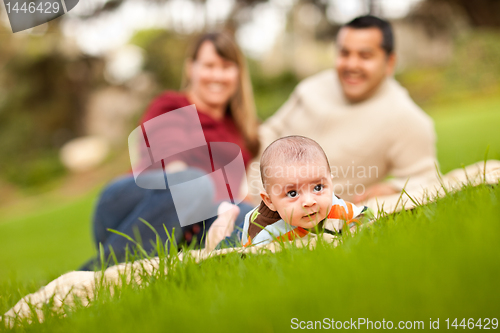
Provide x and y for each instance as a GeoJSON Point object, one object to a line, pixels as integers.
{"type": "Point", "coordinates": [214, 80]}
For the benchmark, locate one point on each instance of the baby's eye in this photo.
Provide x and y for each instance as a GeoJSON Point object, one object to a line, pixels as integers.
{"type": "Point", "coordinates": [318, 187]}
{"type": "Point", "coordinates": [292, 194]}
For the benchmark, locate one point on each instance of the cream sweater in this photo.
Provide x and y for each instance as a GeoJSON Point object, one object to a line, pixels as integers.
{"type": "Point", "coordinates": [386, 135]}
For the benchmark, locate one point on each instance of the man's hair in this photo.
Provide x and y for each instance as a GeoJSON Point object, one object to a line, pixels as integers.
{"type": "Point", "coordinates": [289, 150]}
{"type": "Point", "coordinates": [370, 21]}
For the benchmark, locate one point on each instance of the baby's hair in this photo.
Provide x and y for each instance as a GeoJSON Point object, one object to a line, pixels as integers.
{"type": "Point", "coordinates": [288, 150]}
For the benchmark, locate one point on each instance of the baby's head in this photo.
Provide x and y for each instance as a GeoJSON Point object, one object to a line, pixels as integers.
{"type": "Point", "coordinates": [297, 180]}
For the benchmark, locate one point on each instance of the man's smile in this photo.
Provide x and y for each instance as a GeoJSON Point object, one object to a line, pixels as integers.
{"type": "Point", "coordinates": [353, 78]}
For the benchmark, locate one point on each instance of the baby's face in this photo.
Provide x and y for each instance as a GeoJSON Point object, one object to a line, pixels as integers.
{"type": "Point", "coordinates": [300, 193]}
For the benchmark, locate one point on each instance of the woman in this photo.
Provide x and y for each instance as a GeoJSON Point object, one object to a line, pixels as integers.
{"type": "Point", "coordinates": [216, 81]}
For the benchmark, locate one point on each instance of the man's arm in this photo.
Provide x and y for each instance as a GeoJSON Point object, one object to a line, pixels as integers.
{"type": "Point", "coordinates": [376, 190]}
{"type": "Point", "coordinates": [412, 155]}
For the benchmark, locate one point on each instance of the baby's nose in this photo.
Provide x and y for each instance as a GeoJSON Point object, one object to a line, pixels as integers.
{"type": "Point", "coordinates": [308, 200]}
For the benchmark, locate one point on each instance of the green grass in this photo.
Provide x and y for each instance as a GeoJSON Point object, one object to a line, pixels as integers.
{"type": "Point", "coordinates": [465, 131]}
{"type": "Point", "coordinates": [433, 263]}
{"type": "Point", "coordinates": [439, 261]}
{"type": "Point", "coordinates": [37, 246]}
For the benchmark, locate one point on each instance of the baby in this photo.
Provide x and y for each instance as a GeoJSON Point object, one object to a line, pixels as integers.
{"type": "Point", "coordinates": [298, 197]}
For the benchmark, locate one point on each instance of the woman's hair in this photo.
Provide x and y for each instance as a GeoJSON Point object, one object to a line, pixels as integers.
{"type": "Point", "coordinates": [241, 105]}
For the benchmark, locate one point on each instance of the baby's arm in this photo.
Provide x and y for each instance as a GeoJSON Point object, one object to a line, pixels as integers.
{"type": "Point", "coordinates": [223, 226]}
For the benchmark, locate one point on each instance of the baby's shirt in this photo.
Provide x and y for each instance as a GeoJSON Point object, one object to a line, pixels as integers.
{"type": "Point", "coordinates": [263, 225]}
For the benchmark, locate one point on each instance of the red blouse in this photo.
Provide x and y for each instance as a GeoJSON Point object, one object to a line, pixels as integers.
{"type": "Point", "coordinates": [223, 130]}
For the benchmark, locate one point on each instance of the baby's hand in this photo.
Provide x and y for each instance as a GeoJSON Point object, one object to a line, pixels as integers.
{"type": "Point", "coordinates": [223, 226]}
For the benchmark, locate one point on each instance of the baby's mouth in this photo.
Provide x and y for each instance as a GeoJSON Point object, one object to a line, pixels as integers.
{"type": "Point", "coordinates": [311, 215]}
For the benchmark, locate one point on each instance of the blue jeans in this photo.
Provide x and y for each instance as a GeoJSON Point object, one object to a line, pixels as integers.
{"type": "Point", "coordinates": [122, 203]}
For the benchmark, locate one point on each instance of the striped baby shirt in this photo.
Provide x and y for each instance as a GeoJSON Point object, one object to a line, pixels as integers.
{"type": "Point", "coordinates": [263, 225]}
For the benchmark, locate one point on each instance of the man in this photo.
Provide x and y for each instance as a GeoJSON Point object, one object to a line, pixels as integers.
{"type": "Point", "coordinates": [365, 121]}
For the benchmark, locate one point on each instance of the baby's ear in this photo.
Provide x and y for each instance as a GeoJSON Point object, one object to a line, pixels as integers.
{"type": "Point", "coordinates": [267, 200]}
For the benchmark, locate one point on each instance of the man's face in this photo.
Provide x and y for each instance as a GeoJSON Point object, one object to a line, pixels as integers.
{"type": "Point", "coordinates": [300, 193]}
{"type": "Point", "coordinates": [361, 63]}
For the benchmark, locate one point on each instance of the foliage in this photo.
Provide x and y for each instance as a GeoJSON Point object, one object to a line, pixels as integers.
{"type": "Point", "coordinates": [473, 72]}
{"type": "Point", "coordinates": [165, 54]}
{"type": "Point", "coordinates": [42, 96]}
{"type": "Point", "coordinates": [479, 13]}
{"type": "Point", "coordinates": [409, 266]}
{"type": "Point", "coordinates": [270, 91]}
{"type": "Point", "coordinates": [475, 63]}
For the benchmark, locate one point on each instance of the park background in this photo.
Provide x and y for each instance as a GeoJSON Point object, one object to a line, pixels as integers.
{"type": "Point", "coordinates": [80, 83]}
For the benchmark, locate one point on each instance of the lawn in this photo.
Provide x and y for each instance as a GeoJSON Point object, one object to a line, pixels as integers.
{"type": "Point", "coordinates": [465, 130]}
{"type": "Point", "coordinates": [38, 246]}
{"type": "Point", "coordinates": [436, 262]}
{"type": "Point", "coordinates": [407, 268]}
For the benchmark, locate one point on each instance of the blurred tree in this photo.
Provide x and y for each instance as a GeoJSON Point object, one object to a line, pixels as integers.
{"type": "Point", "coordinates": [239, 13]}
{"type": "Point", "coordinates": [473, 72]}
{"type": "Point", "coordinates": [42, 96]}
{"type": "Point", "coordinates": [165, 53]}
{"type": "Point", "coordinates": [479, 13]}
